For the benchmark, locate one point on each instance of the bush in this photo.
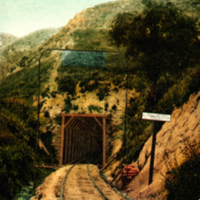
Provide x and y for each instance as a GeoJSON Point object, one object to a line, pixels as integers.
{"type": "Point", "coordinates": [68, 105]}
{"type": "Point", "coordinates": [67, 84]}
{"type": "Point", "coordinates": [17, 146]}
{"type": "Point", "coordinates": [158, 37]}
{"type": "Point", "coordinates": [17, 149]}
{"type": "Point", "coordinates": [95, 108]}
{"type": "Point", "coordinates": [183, 182]}
{"type": "Point", "coordinates": [103, 92]}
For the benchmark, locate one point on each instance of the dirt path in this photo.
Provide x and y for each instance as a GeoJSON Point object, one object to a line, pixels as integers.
{"type": "Point", "coordinates": [78, 185]}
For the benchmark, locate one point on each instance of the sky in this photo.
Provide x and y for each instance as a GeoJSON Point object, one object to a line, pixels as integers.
{"type": "Point", "coordinates": [21, 17]}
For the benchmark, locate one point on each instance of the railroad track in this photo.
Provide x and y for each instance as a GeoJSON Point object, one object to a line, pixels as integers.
{"type": "Point", "coordinates": [82, 182]}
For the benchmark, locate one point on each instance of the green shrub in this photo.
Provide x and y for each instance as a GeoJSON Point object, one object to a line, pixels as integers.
{"type": "Point", "coordinates": [67, 84]}
{"type": "Point", "coordinates": [183, 182]}
{"type": "Point", "coordinates": [75, 107]}
{"type": "Point", "coordinates": [58, 120]}
{"type": "Point", "coordinates": [88, 86]}
{"type": "Point", "coordinates": [46, 114]}
{"type": "Point", "coordinates": [28, 76]}
{"type": "Point", "coordinates": [158, 37]}
{"type": "Point", "coordinates": [17, 149]}
{"type": "Point", "coordinates": [103, 92]}
{"type": "Point", "coordinates": [95, 108]}
{"type": "Point", "coordinates": [68, 105]}
{"type": "Point", "coordinates": [106, 106]}
{"type": "Point", "coordinates": [23, 61]}
{"type": "Point", "coordinates": [114, 107]}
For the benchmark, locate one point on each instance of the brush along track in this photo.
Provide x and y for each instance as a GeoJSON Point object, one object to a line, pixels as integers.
{"type": "Point", "coordinates": [84, 182]}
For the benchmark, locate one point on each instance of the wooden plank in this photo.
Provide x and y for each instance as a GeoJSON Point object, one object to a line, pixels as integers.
{"type": "Point", "coordinates": [73, 144]}
{"type": "Point", "coordinates": [77, 124]}
{"type": "Point", "coordinates": [84, 115]}
{"type": "Point", "coordinates": [156, 116]}
{"type": "Point", "coordinates": [71, 130]}
{"type": "Point", "coordinates": [65, 125]}
{"type": "Point", "coordinates": [109, 162]}
{"type": "Point", "coordinates": [82, 144]}
{"type": "Point", "coordinates": [98, 122]}
{"type": "Point", "coordinates": [69, 145]}
{"type": "Point", "coordinates": [62, 140]}
{"type": "Point", "coordinates": [104, 142]}
{"type": "Point", "coordinates": [65, 149]}
{"type": "Point", "coordinates": [77, 144]}
{"type": "Point", "coordinates": [89, 142]}
{"type": "Point", "coordinates": [73, 124]}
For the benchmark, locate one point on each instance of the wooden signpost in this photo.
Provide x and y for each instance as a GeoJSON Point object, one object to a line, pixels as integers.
{"type": "Point", "coordinates": [154, 117]}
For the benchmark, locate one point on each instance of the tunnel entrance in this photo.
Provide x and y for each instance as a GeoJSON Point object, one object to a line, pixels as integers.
{"type": "Point", "coordinates": [82, 135]}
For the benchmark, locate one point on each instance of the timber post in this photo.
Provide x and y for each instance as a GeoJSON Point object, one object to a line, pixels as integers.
{"type": "Point", "coordinates": [104, 141]}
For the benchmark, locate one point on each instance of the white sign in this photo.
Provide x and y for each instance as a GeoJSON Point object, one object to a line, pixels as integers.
{"type": "Point", "coordinates": [156, 117]}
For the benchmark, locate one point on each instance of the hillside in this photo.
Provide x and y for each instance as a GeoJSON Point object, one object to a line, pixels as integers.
{"type": "Point", "coordinates": [101, 90]}
{"type": "Point", "coordinates": [12, 52]}
{"type": "Point", "coordinates": [94, 19]}
{"type": "Point", "coordinates": [6, 39]}
{"type": "Point", "coordinates": [169, 150]}
{"type": "Point", "coordinates": [30, 41]}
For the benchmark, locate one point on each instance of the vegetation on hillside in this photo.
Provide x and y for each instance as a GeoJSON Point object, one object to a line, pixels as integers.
{"type": "Point", "coordinates": [17, 150]}
{"type": "Point", "coordinates": [6, 39]}
{"type": "Point", "coordinates": [16, 54]}
{"type": "Point", "coordinates": [162, 38]}
{"type": "Point", "coordinates": [182, 181]}
{"type": "Point", "coordinates": [26, 80]}
{"type": "Point", "coordinates": [164, 41]}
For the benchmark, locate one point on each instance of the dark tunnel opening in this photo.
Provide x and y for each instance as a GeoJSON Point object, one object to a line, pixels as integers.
{"type": "Point", "coordinates": [83, 138]}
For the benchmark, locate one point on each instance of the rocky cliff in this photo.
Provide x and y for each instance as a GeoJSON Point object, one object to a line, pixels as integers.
{"type": "Point", "coordinates": [185, 123]}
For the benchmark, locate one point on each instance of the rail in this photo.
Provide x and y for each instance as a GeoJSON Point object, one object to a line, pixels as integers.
{"type": "Point", "coordinates": [98, 189]}
{"type": "Point", "coordinates": [65, 177]}
{"type": "Point", "coordinates": [90, 177]}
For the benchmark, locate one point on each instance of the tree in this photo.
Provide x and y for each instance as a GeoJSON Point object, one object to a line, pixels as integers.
{"type": "Point", "coordinates": [163, 42]}
{"type": "Point", "coordinates": [162, 38]}
{"type": "Point", "coordinates": [17, 145]}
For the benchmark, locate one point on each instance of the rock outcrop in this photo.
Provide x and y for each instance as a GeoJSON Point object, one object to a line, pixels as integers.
{"type": "Point", "coordinates": [185, 123]}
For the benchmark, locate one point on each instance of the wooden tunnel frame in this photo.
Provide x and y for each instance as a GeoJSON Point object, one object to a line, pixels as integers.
{"type": "Point", "coordinates": [72, 116]}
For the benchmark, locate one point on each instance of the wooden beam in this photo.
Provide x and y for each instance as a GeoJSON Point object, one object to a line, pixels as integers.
{"type": "Point", "coordinates": [65, 125]}
{"type": "Point", "coordinates": [109, 162]}
{"type": "Point", "coordinates": [104, 142]}
{"type": "Point", "coordinates": [88, 126]}
{"type": "Point", "coordinates": [98, 122]}
{"type": "Point", "coordinates": [73, 143]}
{"type": "Point", "coordinates": [70, 145]}
{"type": "Point", "coordinates": [62, 140]}
{"type": "Point", "coordinates": [84, 115]}
{"type": "Point", "coordinates": [65, 150]}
